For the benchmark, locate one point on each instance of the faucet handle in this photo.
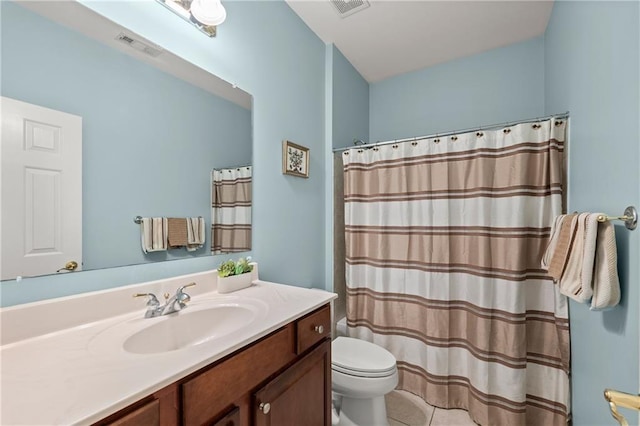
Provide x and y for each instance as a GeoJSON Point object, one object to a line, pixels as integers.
{"type": "Point", "coordinates": [181, 297]}
{"type": "Point", "coordinates": [181, 289]}
{"type": "Point", "coordinates": [152, 301]}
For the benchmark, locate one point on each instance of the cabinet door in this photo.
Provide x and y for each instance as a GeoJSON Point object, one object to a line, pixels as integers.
{"type": "Point", "coordinates": [232, 418]}
{"type": "Point", "coordinates": [208, 394]}
{"type": "Point", "coordinates": [301, 395]}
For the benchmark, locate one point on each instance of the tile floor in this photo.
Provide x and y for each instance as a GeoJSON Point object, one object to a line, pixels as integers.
{"type": "Point", "coordinates": [406, 409]}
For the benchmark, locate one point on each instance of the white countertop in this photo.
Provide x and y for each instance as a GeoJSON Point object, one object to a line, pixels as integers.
{"type": "Point", "coordinates": [61, 378]}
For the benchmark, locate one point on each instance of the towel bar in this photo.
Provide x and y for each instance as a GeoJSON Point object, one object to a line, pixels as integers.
{"type": "Point", "coordinates": [138, 219]}
{"type": "Point", "coordinates": [630, 218]}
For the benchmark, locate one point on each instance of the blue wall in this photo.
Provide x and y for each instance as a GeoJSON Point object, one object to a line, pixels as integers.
{"type": "Point", "coordinates": [282, 66]}
{"type": "Point", "coordinates": [592, 69]}
{"type": "Point", "coordinates": [131, 112]}
{"type": "Point", "coordinates": [347, 112]}
{"type": "Point", "coordinates": [350, 102]}
{"type": "Point", "coordinates": [500, 85]}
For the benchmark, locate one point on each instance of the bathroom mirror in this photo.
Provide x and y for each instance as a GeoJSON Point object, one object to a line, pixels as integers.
{"type": "Point", "coordinates": [154, 126]}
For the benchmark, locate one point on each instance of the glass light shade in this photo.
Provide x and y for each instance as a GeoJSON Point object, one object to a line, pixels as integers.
{"type": "Point", "coordinates": [208, 12]}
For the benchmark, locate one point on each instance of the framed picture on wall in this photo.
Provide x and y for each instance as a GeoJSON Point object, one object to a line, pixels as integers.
{"type": "Point", "coordinates": [295, 159]}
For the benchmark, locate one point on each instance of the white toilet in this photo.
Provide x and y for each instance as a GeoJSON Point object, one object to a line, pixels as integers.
{"type": "Point", "coordinates": [362, 374]}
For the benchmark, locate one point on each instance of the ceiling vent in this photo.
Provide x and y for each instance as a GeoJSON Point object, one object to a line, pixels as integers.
{"type": "Point", "coordinates": [349, 7]}
{"type": "Point", "coordinates": [145, 47]}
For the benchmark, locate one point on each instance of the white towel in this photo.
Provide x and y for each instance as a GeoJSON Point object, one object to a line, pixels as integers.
{"type": "Point", "coordinates": [606, 285]}
{"type": "Point", "coordinates": [195, 233]}
{"type": "Point", "coordinates": [153, 234]}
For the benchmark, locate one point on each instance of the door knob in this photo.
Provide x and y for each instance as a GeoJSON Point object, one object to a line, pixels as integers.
{"type": "Point", "coordinates": [319, 329]}
{"type": "Point", "coordinates": [265, 407]}
{"type": "Point", "coordinates": [69, 266]}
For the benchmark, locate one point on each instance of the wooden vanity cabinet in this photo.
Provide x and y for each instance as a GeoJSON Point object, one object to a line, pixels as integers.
{"type": "Point", "coordinates": [162, 408]}
{"type": "Point", "coordinates": [298, 396]}
{"type": "Point", "coordinates": [282, 379]}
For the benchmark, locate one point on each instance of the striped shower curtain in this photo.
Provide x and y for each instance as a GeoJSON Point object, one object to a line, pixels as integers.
{"type": "Point", "coordinates": [444, 238]}
{"type": "Point", "coordinates": [231, 210]}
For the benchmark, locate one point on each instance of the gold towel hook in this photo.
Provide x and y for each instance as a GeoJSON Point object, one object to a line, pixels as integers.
{"type": "Point", "coordinates": [625, 400]}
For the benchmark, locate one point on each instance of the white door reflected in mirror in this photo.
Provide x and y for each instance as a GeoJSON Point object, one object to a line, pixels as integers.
{"type": "Point", "coordinates": [41, 189]}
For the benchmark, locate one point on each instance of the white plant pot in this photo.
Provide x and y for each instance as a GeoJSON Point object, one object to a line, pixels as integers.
{"type": "Point", "coordinates": [234, 282]}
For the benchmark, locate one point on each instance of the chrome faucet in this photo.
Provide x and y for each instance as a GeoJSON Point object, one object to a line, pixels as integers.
{"type": "Point", "coordinates": [175, 303]}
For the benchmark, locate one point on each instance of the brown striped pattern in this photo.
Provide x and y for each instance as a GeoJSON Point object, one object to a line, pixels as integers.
{"type": "Point", "coordinates": [515, 252]}
{"type": "Point", "coordinates": [231, 238]}
{"type": "Point", "coordinates": [489, 259]}
{"type": "Point", "coordinates": [511, 339]}
{"type": "Point", "coordinates": [232, 193]}
{"type": "Point", "coordinates": [231, 216]}
{"type": "Point", "coordinates": [468, 174]}
{"type": "Point", "coordinates": [458, 392]}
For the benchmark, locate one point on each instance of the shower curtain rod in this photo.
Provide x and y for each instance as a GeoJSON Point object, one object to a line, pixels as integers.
{"type": "Point", "coordinates": [456, 132]}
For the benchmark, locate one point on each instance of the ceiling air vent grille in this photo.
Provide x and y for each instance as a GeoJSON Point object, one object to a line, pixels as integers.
{"type": "Point", "coordinates": [349, 7]}
{"type": "Point", "coordinates": [145, 47]}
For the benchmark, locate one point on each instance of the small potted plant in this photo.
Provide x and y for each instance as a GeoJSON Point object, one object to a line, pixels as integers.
{"type": "Point", "coordinates": [234, 276]}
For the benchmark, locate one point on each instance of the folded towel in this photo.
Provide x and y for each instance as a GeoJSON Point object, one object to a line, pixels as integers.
{"type": "Point", "coordinates": [572, 252]}
{"type": "Point", "coordinates": [195, 233]}
{"type": "Point", "coordinates": [553, 242]}
{"type": "Point", "coordinates": [563, 238]}
{"type": "Point", "coordinates": [576, 281]}
{"type": "Point", "coordinates": [153, 234]}
{"type": "Point", "coordinates": [581, 258]}
{"type": "Point", "coordinates": [177, 234]}
{"type": "Point", "coordinates": [606, 286]}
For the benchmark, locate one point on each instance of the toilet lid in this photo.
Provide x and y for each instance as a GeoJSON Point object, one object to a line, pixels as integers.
{"type": "Point", "coordinates": [361, 358]}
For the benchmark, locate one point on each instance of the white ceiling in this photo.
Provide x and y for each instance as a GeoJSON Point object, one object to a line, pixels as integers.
{"type": "Point", "coordinates": [394, 37]}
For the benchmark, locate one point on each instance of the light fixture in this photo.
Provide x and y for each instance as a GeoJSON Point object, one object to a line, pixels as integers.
{"type": "Point", "coordinates": [208, 12]}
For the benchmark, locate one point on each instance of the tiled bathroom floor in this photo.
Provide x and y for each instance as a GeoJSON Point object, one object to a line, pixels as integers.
{"type": "Point", "coordinates": [406, 409]}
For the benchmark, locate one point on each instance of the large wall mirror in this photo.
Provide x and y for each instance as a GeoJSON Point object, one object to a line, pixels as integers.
{"type": "Point", "coordinates": [154, 127]}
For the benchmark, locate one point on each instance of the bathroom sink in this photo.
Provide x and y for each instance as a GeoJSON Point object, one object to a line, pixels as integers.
{"type": "Point", "coordinates": [196, 324]}
{"type": "Point", "coordinates": [188, 328]}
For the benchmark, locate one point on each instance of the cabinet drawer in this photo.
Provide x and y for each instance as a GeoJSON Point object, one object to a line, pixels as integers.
{"type": "Point", "coordinates": [213, 390]}
{"type": "Point", "coordinates": [148, 414]}
{"type": "Point", "coordinates": [313, 328]}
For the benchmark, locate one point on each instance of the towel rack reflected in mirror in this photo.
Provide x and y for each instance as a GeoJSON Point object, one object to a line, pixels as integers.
{"type": "Point", "coordinates": [630, 218]}
{"type": "Point", "coordinates": [138, 219]}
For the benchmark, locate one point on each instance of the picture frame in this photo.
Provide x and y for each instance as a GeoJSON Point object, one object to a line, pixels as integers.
{"type": "Point", "coordinates": [295, 159]}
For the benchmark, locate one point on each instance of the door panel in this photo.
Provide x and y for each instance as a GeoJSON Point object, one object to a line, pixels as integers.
{"type": "Point", "coordinates": [301, 395]}
{"type": "Point", "coordinates": [41, 178]}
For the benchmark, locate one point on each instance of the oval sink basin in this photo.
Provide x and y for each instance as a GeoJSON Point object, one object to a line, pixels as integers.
{"type": "Point", "coordinates": [188, 329]}
{"type": "Point", "coordinates": [198, 323]}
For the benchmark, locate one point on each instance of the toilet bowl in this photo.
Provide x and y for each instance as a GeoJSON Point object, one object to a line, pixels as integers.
{"type": "Point", "coordinates": [362, 373]}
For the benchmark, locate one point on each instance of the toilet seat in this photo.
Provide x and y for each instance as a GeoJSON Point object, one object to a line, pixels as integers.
{"type": "Point", "coordinates": [360, 358]}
